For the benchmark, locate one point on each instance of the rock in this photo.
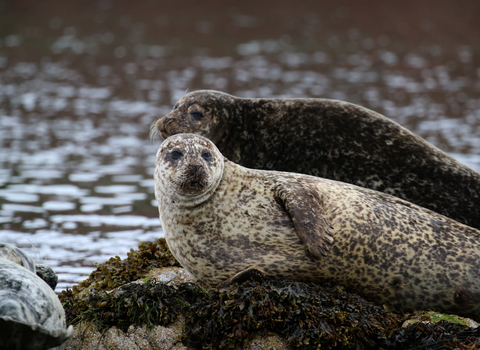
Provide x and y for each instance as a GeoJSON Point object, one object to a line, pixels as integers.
{"type": "Point", "coordinates": [266, 342]}
{"type": "Point", "coordinates": [47, 274]}
{"type": "Point", "coordinates": [432, 316]}
{"type": "Point", "coordinates": [171, 274]}
{"type": "Point", "coordinates": [86, 337]}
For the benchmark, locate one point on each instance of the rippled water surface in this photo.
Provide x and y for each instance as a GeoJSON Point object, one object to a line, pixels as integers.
{"type": "Point", "coordinates": [80, 85]}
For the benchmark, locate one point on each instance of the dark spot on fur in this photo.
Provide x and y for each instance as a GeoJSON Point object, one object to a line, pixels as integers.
{"type": "Point", "coordinates": [397, 283]}
{"type": "Point", "coordinates": [461, 296]}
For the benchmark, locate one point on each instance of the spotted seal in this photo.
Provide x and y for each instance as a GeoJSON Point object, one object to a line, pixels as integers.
{"type": "Point", "coordinates": [31, 315]}
{"type": "Point", "coordinates": [221, 219]}
{"type": "Point", "coordinates": [331, 139]}
{"type": "Point", "coordinates": [18, 256]}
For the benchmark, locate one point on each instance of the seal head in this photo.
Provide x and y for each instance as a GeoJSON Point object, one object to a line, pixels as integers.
{"type": "Point", "coordinates": [201, 112]}
{"type": "Point", "coordinates": [191, 171]}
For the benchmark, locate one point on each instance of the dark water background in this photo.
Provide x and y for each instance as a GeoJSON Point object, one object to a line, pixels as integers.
{"type": "Point", "coordinates": [81, 81]}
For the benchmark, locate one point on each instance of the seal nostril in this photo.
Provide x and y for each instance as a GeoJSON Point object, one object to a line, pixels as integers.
{"type": "Point", "coordinates": [166, 120]}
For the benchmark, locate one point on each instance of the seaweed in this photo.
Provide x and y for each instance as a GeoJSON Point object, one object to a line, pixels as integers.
{"type": "Point", "coordinates": [116, 272]}
{"type": "Point", "coordinates": [434, 336]}
{"type": "Point", "coordinates": [144, 303]}
{"type": "Point", "coordinates": [112, 274]}
{"type": "Point", "coordinates": [307, 315]}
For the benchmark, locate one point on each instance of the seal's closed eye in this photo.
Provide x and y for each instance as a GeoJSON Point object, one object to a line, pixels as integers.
{"type": "Point", "coordinates": [173, 156]}
{"type": "Point", "coordinates": [206, 155]}
{"type": "Point", "coordinates": [176, 106]}
{"type": "Point", "coordinates": [176, 155]}
{"type": "Point", "coordinates": [196, 115]}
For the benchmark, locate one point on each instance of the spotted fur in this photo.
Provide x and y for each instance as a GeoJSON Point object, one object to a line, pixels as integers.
{"type": "Point", "coordinates": [384, 248]}
{"type": "Point", "coordinates": [331, 139]}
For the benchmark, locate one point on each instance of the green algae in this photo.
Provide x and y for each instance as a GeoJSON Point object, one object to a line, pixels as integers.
{"type": "Point", "coordinates": [432, 316]}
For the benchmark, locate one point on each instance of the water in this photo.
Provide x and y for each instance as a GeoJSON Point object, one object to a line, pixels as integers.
{"type": "Point", "coordinates": [81, 84]}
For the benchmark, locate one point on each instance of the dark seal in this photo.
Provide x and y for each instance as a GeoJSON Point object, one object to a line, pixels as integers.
{"type": "Point", "coordinates": [222, 220]}
{"type": "Point", "coordinates": [331, 139]}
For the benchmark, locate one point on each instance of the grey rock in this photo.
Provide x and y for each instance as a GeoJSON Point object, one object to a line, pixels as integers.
{"type": "Point", "coordinates": [46, 273]}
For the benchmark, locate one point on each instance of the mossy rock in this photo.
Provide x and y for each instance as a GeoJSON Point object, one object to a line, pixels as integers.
{"type": "Point", "coordinates": [116, 272]}
{"type": "Point", "coordinates": [432, 316]}
{"type": "Point", "coordinates": [139, 303]}
{"type": "Point", "coordinates": [305, 315]}
{"type": "Point", "coordinates": [85, 297]}
{"type": "Point", "coordinates": [434, 336]}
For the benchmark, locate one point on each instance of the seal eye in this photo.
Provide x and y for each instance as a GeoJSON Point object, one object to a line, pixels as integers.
{"type": "Point", "coordinates": [176, 155]}
{"type": "Point", "coordinates": [196, 115]}
{"type": "Point", "coordinates": [176, 106]}
{"type": "Point", "coordinates": [206, 155]}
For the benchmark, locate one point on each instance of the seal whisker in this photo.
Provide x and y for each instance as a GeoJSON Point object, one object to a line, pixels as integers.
{"type": "Point", "coordinates": [153, 131]}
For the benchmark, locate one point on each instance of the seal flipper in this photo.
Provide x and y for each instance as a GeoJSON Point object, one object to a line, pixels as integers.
{"type": "Point", "coordinates": [253, 272]}
{"type": "Point", "coordinates": [307, 212]}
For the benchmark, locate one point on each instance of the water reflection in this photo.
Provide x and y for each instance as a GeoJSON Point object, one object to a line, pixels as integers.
{"type": "Point", "coordinates": [76, 103]}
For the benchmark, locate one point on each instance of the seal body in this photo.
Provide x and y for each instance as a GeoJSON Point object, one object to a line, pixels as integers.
{"type": "Point", "coordinates": [18, 256]}
{"type": "Point", "coordinates": [331, 139]}
{"type": "Point", "coordinates": [31, 315]}
{"type": "Point", "coordinates": [220, 219]}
